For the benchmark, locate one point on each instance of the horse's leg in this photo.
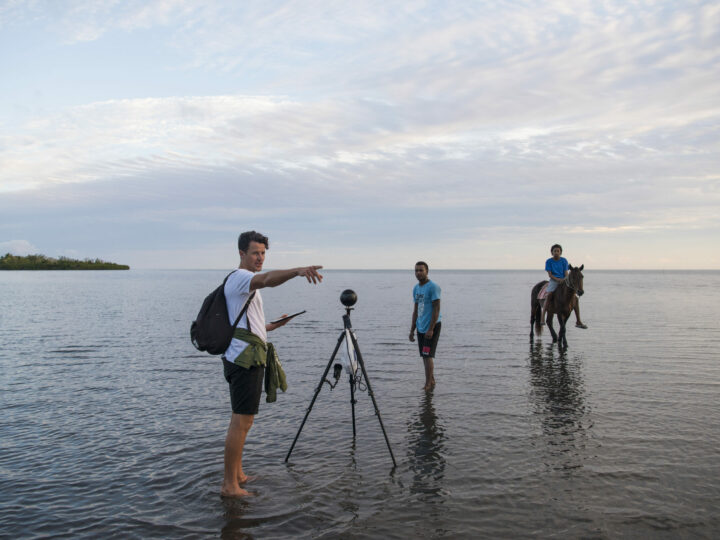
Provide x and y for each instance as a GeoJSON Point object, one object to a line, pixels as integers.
{"type": "Point", "coordinates": [550, 326]}
{"type": "Point", "coordinates": [563, 326]}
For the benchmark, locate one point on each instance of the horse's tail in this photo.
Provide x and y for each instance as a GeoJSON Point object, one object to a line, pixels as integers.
{"type": "Point", "coordinates": [538, 326]}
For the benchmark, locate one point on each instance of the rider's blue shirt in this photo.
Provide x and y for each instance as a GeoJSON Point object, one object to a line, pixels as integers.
{"type": "Point", "coordinates": [557, 268]}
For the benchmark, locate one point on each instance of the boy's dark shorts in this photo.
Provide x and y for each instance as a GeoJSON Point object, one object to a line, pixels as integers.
{"type": "Point", "coordinates": [432, 343]}
{"type": "Point", "coordinates": [245, 387]}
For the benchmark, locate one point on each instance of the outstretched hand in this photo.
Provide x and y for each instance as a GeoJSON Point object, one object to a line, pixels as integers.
{"type": "Point", "coordinates": [311, 273]}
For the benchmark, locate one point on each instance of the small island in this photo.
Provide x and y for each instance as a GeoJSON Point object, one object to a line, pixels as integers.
{"type": "Point", "coordinates": [41, 262]}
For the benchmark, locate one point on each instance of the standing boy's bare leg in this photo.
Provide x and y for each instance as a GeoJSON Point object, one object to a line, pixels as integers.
{"type": "Point", "coordinates": [237, 432]}
{"type": "Point", "coordinates": [429, 375]}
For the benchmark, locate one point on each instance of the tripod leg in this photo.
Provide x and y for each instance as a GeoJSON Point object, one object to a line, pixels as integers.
{"type": "Point", "coordinates": [372, 396]}
{"type": "Point", "coordinates": [317, 391]}
{"type": "Point", "coordinates": [352, 400]}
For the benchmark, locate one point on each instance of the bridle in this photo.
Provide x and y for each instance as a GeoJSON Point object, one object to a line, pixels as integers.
{"type": "Point", "coordinates": [569, 282]}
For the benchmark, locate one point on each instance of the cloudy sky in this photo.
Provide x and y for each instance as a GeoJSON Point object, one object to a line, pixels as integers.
{"type": "Point", "coordinates": [471, 134]}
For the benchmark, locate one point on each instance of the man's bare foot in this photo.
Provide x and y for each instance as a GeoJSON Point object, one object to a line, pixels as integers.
{"type": "Point", "coordinates": [246, 478]}
{"type": "Point", "coordinates": [234, 492]}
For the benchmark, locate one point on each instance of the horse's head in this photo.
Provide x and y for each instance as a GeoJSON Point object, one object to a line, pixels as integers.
{"type": "Point", "coordinates": [575, 279]}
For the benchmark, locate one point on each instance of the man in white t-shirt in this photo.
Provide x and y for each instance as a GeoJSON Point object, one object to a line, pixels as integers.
{"type": "Point", "coordinates": [246, 383]}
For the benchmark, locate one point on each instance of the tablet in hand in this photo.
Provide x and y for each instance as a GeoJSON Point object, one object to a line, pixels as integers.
{"type": "Point", "coordinates": [283, 319]}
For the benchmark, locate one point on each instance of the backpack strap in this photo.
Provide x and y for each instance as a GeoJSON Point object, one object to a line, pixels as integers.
{"type": "Point", "coordinates": [242, 312]}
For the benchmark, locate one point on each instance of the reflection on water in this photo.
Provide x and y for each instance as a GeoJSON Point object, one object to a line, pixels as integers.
{"type": "Point", "coordinates": [558, 400]}
{"type": "Point", "coordinates": [426, 449]}
{"type": "Point", "coordinates": [236, 523]}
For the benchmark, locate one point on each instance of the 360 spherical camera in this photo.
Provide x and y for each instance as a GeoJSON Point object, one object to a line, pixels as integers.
{"type": "Point", "coordinates": [348, 297]}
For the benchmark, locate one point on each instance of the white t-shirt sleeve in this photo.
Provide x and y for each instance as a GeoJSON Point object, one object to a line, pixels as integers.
{"type": "Point", "coordinates": [238, 284]}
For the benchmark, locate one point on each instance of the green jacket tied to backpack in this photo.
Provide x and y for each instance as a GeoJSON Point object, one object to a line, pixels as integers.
{"type": "Point", "coordinates": [259, 353]}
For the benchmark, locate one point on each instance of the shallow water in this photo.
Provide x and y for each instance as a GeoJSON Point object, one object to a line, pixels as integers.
{"type": "Point", "coordinates": [113, 425]}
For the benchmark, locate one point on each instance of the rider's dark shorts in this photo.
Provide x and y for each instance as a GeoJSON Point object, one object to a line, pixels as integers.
{"type": "Point", "coordinates": [431, 344]}
{"type": "Point", "coordinates": [245, 387]}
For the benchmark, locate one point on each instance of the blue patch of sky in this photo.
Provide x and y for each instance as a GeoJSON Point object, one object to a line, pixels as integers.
{"type": "Point", "coordinates": [119, 65]}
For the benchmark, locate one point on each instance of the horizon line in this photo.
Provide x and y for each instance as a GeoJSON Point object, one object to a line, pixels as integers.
{"type": "Point", "coordinates": [455, 269]}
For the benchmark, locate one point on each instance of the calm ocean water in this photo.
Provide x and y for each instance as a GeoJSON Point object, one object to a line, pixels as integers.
{"type": "Point", "coordinates": [112, 425]}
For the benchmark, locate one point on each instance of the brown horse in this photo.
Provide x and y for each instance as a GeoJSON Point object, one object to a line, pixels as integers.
{"type": "Point", "coordinates": [561, 303]}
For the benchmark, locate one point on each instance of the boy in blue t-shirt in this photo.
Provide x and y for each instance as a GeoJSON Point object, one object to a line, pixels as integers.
{"type": "Point", "coordinates": [426, 319]}
{"type": "Point", "coordinates": [557, 269]}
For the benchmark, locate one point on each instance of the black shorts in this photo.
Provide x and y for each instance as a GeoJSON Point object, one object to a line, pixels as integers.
{"type": "Point", "coordinates": [245, 387]}
{"type": "Point", "coordinates": [431, 344]}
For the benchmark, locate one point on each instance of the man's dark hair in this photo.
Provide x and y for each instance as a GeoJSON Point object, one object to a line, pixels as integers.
{"type": "Point", "coordinates": [424, 264]}
{"type": "Point", "coordinates": [252, 236]}
{"type": "Point", "coordinates": [556, 246]}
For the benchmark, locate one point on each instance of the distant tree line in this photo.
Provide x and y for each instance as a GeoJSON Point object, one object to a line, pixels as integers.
{"type": "Point", "coordinates": [41, 262]}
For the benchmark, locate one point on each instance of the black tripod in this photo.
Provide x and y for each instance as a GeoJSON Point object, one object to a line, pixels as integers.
{"type": "Point", "coordinates": [348, 298]}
